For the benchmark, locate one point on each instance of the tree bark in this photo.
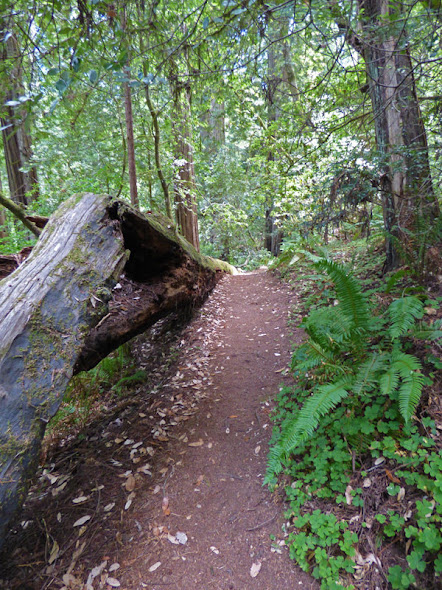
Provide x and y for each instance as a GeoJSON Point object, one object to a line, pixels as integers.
{"type": "Point", "coordinates": [23, 185]}
{"type": "Point", "coordinates": [185, 187]}
{"type": "Point", "coordinates": [280, 85]}
{"type": "Point", "coordinates": [60, 313]}
{"type": "Point", "coordinates": [406, 185]}
{"type": "Point", "coordinates": [130, 142]}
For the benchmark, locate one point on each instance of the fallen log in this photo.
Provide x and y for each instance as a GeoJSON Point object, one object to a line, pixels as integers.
{"type": "Point", "coordinates": [100, 273]}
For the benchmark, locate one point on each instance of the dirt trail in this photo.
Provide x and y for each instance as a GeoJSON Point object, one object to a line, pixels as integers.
{"type": "Point", "coordinates": [171, 486]}
{"type": "Point", "coordinates": [214, 478]}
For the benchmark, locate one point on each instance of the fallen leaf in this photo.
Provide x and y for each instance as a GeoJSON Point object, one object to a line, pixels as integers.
{"type": "Point", "coordinates": [165, 506]}
{"type": "Point", "coordinates": [392, 477]}
{"type": "Point", "coordinates": [199, 480]}
{"type": "Point", "coordinates": [366, 483]}
{"type": "Point", "coordinates": [348, 496]}
{"type": "Point", "coordinates": [172, 539]}
{"type": "Point", "coordinates": [54, 553]}
{"type": "Point", "coordinates": [114, 583]}
{"type": "Point", "coordinates": [215, 550]}
{"type": "Point", "coordinates": [130, 483]}
{"type": "Point", "coordinates": [257, 449]}
{"type": "Point", "coordinates": [81, 520]}
{"type": "Point", "coordinates": [181, 538]}
{"type": "Point", "coordinates": [199, 443]}
{"type": "Point", "coordinates": [80, 499]}
{"type": "Point", "coordinates": [114, 567]}
{"type": "Point", "coordinates": [109, 507]}
{"type": "Point", "coordinates": [401, 494]}
{"type": "Point", "coordinates": [254, 570]}
{"type": "Point", "coordinates": [155, 566]}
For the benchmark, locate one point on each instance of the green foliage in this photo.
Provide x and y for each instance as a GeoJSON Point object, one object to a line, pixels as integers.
{"type": "Point", "coordinates": [358, 388]}
{"type": "Point", "coordinates": [88, 389]}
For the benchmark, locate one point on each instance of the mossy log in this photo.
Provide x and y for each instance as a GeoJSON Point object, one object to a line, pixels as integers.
{"type": "Point", "coordinates": [99, 274]}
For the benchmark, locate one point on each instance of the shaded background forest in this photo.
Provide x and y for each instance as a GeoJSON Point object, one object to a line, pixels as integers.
{"type": "Point", "coordinates": [251, 120]}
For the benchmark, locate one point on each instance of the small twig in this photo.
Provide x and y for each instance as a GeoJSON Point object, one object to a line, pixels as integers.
{"type": "Point", "coordinates": [257, 418]}
{"type": "Point", "coordinates": [258, 526]}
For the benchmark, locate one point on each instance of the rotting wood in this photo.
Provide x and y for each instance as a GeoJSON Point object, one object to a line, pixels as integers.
{"type": "Point", "coordinates": [60, 312]}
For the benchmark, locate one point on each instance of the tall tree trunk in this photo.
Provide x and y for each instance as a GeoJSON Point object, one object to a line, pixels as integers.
{"type": "Point", "coordinates": [22, 180]}
{"type": "Point", "coordinates": [155, 125]}
{"type": "Point", "coordinates": [184, 187]}
{"type": "Point", "coordinates": [280, 85]}
{"type": "Point", "coordinates": [130, 143]}
{"type": "Point", "coordinates": [213, 130]}
{"type": "Point", "coordinates": [406, 185]}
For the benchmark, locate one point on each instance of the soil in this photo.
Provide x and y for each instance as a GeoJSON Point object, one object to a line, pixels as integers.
{"type": "Point", "coordinates": [171, 477]}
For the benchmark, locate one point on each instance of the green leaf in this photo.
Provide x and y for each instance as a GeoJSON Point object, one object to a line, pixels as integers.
{"type": "Point", "coordinates": [403, 313]}
{"type": "Point", "coordinates": [324, 399]}
{"type": "Point", "coordinates": [389, 381]}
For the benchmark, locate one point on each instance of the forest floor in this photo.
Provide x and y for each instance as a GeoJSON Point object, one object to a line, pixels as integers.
{"type": "Point", "coordinates": [163, 489]}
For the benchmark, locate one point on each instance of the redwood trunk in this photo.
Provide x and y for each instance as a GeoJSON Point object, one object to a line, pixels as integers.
{"type": "Point", "coordinates": [185, 187]}
{"type": "Point", "coordinates": [23, 185]}
{"type": "Point", "coordinates": [406, 184]}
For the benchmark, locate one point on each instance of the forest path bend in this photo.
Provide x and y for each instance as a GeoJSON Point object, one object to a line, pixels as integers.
{"type": "Point", "coordinates": [214, 465]}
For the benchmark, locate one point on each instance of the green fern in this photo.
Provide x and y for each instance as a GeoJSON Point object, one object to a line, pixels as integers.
{"type": "Point", "coordinates": [389, 381]}
{"type": "Point", "coordinates": [403, 313]}
{"type": "Point", "coordinates": [368, 373]}
{"type": "Point", "coordinates": [353, 302]}
{"type": "Point", "coordinates": [410, 390]}
{"type": "Point", "coordinates": [324, 399]}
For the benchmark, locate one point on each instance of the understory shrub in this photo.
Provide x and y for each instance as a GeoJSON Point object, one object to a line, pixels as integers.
{"type": "Point", "coordinates": [352, 411]}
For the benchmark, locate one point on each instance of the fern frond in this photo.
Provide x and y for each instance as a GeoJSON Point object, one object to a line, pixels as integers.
{"type": "Point", "coordinates": [368, 373]}
{"type": "Point", "coordinates": [425, 331]}
{"type": "Point", "coordinates": [406, 364]}
{"type": "Point", "coordinates": [389, 381]}
{"type": "Point", "coordinates": [324, 399]}
{"type": "Point", "coordinates": [403, 313]}
{"type": "Point", "coordinates": [410, 390]}
{"type": "Point", "coordinates": [353, 302]}
{"type": "Point", "coordinates": [410, 393]}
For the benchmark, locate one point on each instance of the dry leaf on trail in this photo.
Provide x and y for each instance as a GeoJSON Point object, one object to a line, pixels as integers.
{"type": "Point", "coordinates": [81, 520]}
{"type": "Point", "coordinates": [80, 499]}
{"type": "Point", "coordinates": [366, 483]}
{"type": "Point", "coordinates": [114, 583]}
{"type": "Point", "coordinates": [130, 497]}
{"type": "Point", "coordinates": [348, 496]}
{"type": "Point", "coordinates": [165, 506]}
{"type": "Point", "coordinates": [401, 494]}
{"type": "Point", "coordinates": [109, 507]}
{"type": "Point", "coordinates": [257, 449]}
{"type": "Point", "coordinates": [114, 567]}
{"type": "Point", "coordinates": [181, 538]}
{"type": "Point", "coordinates": [392, 477]}
{"type": "Point", "coordinates": [199, 480]}
{"type": "Point", "coordinates": [145, 469]}
{"type": "Point", "coordinates": [130, 483]}
{"type": "Point", "coordinates": [199, 443]}
{"type": "Point", "coordinates": [155, 566]}
{"type": "Point", "coordinates": [254, 570]}
{"type": "Point", "coordinates": [54, 553]}
{"type": "Point", "coordinates": [156, 489]}
{"type": "Point", "coordinates": [215, 550]}
{"type": "Point", "coordinates": [172, 539]}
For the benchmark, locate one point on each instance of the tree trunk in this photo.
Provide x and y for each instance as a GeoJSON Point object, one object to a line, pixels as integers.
{"type": "Point", "coordinates": [130, 143]}
{"type": "Point", "coordinates": [406, 185]}
{"type": "Point", "coordinates": [60, 313]}
{"type": "Point", "coordinates": [155, 124]}
{"type": "Point", "coordinates": [23, 185]}
{"type": "Point", "coordinates": [184, 188]}
{"type": "Point", "coordinates": [280, 85]}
